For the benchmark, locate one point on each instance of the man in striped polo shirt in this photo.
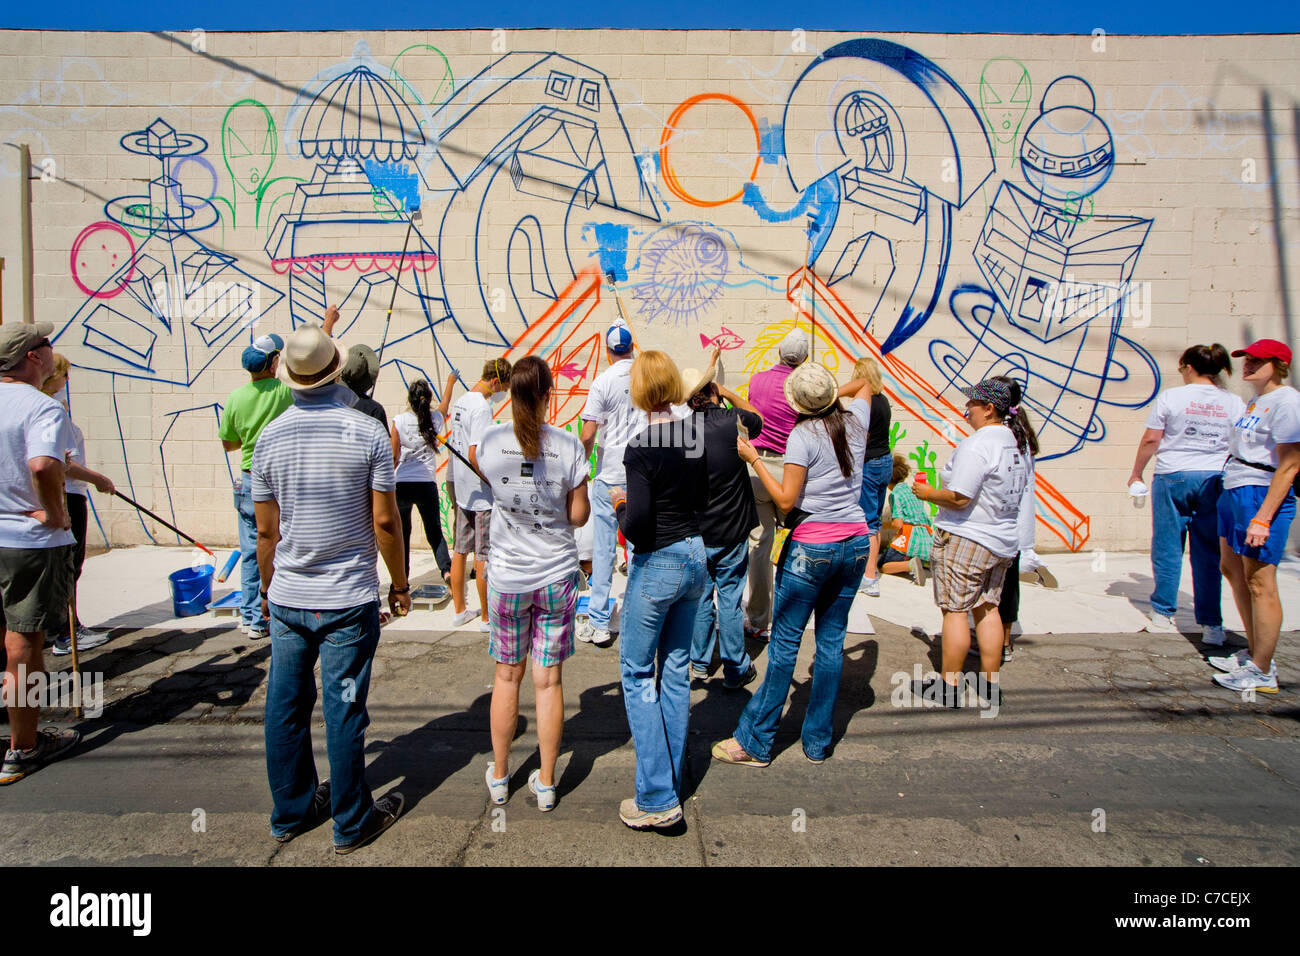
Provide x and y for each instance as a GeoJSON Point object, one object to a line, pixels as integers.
{"type": "Point", "coordinates": [324, 493]}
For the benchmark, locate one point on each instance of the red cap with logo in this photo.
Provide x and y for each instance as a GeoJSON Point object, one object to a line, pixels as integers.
{"type": "Point", "coordinates": [1265, 349]}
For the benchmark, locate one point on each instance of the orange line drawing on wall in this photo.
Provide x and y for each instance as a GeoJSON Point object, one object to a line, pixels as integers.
{"type": "Point", "coordinates": [837, 325]}
{"type": "Point", "coordinates": [666, 166]}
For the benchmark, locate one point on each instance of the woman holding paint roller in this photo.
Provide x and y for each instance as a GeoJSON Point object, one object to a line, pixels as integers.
{"type": "Point", "coordinates": [414, 435]}
{"type": "Point", "coordinates": [78, 475]}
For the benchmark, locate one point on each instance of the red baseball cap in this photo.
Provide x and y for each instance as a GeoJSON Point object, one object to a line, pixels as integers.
{"type": "Point", "coordinates": [1265, 349]}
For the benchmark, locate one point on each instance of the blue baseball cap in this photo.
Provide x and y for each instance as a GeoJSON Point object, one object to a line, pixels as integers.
{"type": "Point", "coordinates": [619, 339]}
{"type": "Point", "coordinates": [257, 357]}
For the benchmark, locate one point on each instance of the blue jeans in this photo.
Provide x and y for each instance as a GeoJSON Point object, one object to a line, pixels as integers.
{"type": "Point", "coordinates": [250, 580]}
{"type": "Point", "coordinates": [664, 589]}
{"type": "Point", "coordinates": [875, 483]}
{"type": "Point", "coordinates": [345, 642]}
{"type": "Point", "coordinates": [604, 555]}
{"type": "Point", "coordinates": [727, 569]}
{"type": "Point", "coordinates": [815, 577]}
{"type": "Point", "coordinates": [1182, 502]}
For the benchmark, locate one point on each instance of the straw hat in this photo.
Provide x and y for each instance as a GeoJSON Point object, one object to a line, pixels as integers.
{"type": "Point", "coordinates": [694, 380]}
{"type": "Point", "coordinates": [311, 359]}
{"type": "Point", "coordinates": [810, 389]}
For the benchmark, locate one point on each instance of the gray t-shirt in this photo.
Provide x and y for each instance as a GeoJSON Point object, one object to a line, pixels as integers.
{"type": "Point", "coordinates": [32, 425]}
{"type": "Point", "coordinates": [320, 461]}
{"type": "Point", "coordinates": [827, 495]}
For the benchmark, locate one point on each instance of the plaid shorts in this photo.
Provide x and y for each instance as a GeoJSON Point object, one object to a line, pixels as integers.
{"type": "Point", "coordinates": [471, 532]}
{"type": "Point", "coordinates": [966, 574]}
{"type": "Point", "coordinates": [540, 621]}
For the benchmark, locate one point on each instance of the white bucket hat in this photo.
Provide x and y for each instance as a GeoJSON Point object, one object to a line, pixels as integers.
{"type": "Point", "coordinates": [310, 359]}
{"type": "Point", "coordinates": [810, 389]}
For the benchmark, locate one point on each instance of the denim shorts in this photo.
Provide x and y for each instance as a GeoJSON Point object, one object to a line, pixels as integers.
{"type": "Point", "coordinates": [1238, 505]}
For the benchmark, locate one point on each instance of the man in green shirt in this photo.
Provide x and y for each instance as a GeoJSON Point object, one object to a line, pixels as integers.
{"type": "Point", "coordinates": [249, 409]}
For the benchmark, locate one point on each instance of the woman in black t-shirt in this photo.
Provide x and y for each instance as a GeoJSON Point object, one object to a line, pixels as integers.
{"type": "Point", "coordinates": [667, 485]}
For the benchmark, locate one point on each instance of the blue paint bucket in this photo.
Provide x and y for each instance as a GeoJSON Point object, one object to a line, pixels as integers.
{"type": "Point", "coordinates": [191, 590]}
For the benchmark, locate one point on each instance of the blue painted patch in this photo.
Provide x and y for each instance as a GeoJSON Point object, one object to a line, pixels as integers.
{"type": "Point", "coordinates": [396, 179]}
{"type": "Point", "coordinates": [771, 141]}
{"type": "Point", "coordinates": [611, 240]}
{"type": "Point", "coordinates": [819, 202]}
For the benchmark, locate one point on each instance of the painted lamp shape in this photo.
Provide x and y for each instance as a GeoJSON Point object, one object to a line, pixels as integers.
{"type": "Point", "coordinates": [359, 116]}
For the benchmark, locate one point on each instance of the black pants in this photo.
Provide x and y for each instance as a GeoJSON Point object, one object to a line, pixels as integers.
{"type": "Point", "coordinates": [423, 495]}
{"type": "Point", "coordinates": [79, 514]}
{"type": "Point", "coordinates": [1009, 606]}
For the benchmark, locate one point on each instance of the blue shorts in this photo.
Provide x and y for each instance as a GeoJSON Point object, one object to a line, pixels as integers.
{"type": "Point", "coordinates": [1238, 505]}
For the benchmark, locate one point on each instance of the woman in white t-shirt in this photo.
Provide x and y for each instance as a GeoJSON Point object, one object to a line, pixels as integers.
{"type": "Point", "coordinates": [538, 476]}
{"type": "Point", "coordinates": [987, 485]}
{"type": "Point", "coordinates": [1256, 510]}
{"type": "Point", "coordinates": [414, 435]}
{"type": "Point", "coordinates": [1187, 431]}
{"type": "Point", "coordinates": [821, 566]}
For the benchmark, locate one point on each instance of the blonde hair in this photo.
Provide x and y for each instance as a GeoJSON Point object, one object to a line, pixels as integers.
{"type": "Point", "coordinates": [867, 368]}
{"type": "Point", "coordinates": [655, 381]}
{"type": "Point", "coordinates": [61, 366]}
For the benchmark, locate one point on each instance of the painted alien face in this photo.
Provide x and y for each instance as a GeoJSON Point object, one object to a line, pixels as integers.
{"type": "Point", "coordinates": [249, 144]}
{"type": "Point", "coordinates": [1005, 90]}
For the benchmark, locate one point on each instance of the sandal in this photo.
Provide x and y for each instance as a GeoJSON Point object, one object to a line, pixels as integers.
{"type": "Point", "coordinates": [730, 751]}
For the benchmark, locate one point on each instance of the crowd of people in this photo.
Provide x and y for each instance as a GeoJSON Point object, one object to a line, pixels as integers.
{"type": "Point", "coordinates": [793, 489]}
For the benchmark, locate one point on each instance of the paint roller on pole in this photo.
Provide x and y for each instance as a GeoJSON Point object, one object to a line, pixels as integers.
{"type": "Point", "coordinates": [404, 191]}
{"type": "Point", "coordinates": [170, 527]}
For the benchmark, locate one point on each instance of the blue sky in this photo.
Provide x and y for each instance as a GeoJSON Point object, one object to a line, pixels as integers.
{"type": "Point", "coordinates": [928, 16]}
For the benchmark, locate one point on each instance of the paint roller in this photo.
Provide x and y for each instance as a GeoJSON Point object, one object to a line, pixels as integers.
{"type": "Point", "coordinates": [228, 567]}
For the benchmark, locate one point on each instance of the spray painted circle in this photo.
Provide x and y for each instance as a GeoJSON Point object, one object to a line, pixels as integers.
{"type": "Point", "coordinates": [674, 121]}
{"type": "Point", "coordinates": [101, 259]}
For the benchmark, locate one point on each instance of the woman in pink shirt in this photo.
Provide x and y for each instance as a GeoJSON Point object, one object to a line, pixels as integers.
{"type": "Point", "coordinates": [823, 563]}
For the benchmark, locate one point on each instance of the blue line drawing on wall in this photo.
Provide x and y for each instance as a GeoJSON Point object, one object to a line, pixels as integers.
{"type": "Point", "coordinates": [1058, 282]}
{"type": "Point", "coordinates": [524, 195]}
{"type": "Point", "coordinates": [850, 119]}
{"type": "Point", "coordinates": [173, 417]}
{"type": "Point", "coordinates": [183, 302]}
{"type": "Point", "coordinates": [341, 240]}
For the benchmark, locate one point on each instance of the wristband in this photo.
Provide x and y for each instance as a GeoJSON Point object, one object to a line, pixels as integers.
{"type": "Point", "coordinates": [1261, 522]}
{"type": "Point", "coordinates": [265, 596]}
{"type": "Point", "coordinates": [393, 590]}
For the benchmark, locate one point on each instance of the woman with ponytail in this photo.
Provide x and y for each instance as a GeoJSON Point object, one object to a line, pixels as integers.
{"type": "Point", "coordinates": [822, 564]}
{"type": "Point", "coordinates": [987, 487]}
{"type": "Point", "coordinates": [538, 476]}
{"type": "Point", "coordinates": [1026, 559]}
{"type": "Point", "coordinates": [1187, 432]}
{"type": "Point", "coordinates": [414, 434]}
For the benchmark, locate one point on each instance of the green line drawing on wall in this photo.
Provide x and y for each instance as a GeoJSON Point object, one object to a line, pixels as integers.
{"type": "Point", "coordinates": [445, 85]}
{"type": "Point", "coordinates": [249, 146]}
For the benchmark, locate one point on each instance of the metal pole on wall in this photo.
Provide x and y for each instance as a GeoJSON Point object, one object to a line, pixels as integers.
{"type": "Point", "coordinates": [25, 226]}
{"type": "Point", "coordinates": [1275, 190]}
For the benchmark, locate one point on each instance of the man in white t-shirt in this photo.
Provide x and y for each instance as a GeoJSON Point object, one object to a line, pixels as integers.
{"type": "Point", "coordinates": [471, 417]}
{"type": "Point", "coordinates": [36, 543]}
{"type": "Point", "coordinates": [610, 421]}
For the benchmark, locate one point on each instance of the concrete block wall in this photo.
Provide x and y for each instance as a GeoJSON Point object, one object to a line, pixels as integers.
{"type": "Point", "coordinates": [694, 165]}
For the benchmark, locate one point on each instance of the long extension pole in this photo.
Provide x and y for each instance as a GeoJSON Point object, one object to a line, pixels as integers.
{"type": "Point", "coordinates": [397, 281]}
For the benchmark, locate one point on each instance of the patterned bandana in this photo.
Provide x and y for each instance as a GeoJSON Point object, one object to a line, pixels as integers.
{"type": "Point", "coordinates": [994, 392]}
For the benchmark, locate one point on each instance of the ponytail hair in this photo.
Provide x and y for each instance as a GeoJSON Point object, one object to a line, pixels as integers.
{"type": "Point", "coordinates": [420, 397]}
{"type": "Point", "coordinates": [834, 418]}
{"type": "Point", "coordinates": [1026, 440]}
{"type": "Point", "coordinates": [530, 390]}
{"type": "Point", "coordinates": [1207, 360]}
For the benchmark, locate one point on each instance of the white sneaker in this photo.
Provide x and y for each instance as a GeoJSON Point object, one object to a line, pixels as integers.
{"type": "Point", "coordinates": [485, 626]}
{"type": "Point", "coordinates": [1232, 661]}
{"type": "Point", "coordinates": [88, 637]}
{"type": "Point", "coordinates": [1158, 623]}
{"type": "Point", "coordinates": [1212, 634]}
{"type": "Point", "coordinates": [601, 637]}
{"type": "Point", "coordinates": [545, 795]}
{"type": "Point", "coordinates": [584, 631]}
{"type": "Point", "coordinates": [1249, 677]}
{"type": "Point", "coordinates": [464, 617]}
{"type": "Point", "coordinates": [498, 790]}
{"type": "Point", "coordinates": [870, 586]}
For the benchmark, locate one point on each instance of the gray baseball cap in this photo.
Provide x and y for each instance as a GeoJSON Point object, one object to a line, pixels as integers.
{"type": "Point", "coordinates": [17, 339]}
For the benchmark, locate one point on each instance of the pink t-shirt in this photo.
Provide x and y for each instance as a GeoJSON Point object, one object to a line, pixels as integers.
{"type": "Point", "coordinates": [767, 395]}
{"type": "Point", "coordinates": [827, 532]}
